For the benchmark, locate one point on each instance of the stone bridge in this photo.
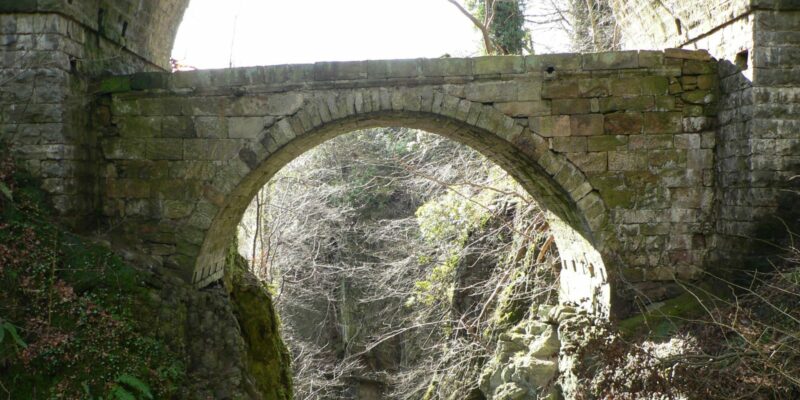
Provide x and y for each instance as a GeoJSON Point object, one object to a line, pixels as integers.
{"type": "Point", "coordinates": [616, 146]}
{"type": "Point", "coordinates": [653, 165]}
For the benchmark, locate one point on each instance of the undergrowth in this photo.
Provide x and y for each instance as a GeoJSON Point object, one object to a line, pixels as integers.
{"type": "Point", "coordinates": [743, 345]}
{"type": "Point", "coordinates": [68, 311]}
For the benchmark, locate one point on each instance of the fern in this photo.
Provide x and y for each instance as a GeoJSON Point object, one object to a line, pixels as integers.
{"type": "Point", "coordinates": [12, 330]}
{"type": "Point", "coordinates": [119, 393]}
{"type": "Point", "coordinates": [6, 191]}
{"type": "Point", "coordinates": [134, 383]}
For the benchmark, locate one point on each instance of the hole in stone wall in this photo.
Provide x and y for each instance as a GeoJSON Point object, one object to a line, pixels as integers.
{"type": "Point", "coordinates": [678, 26]}
{"type": "Point", "coordinates": [550, 70]}
{"type": "Point", "coordinates": [124, 28]}
{"type": "Point", "coordinates": [742, 58]}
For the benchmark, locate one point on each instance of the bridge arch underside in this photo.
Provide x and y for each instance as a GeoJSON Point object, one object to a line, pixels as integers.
{"type": "Point", "coordinates": [584, 277]}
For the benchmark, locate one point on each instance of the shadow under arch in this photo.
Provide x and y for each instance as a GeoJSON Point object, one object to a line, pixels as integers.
{"type": "Point", "coordinates": [578, 238]}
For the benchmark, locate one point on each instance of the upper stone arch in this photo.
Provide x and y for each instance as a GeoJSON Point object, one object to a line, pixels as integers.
{"type": "Point", "coordinates": [555, 182]}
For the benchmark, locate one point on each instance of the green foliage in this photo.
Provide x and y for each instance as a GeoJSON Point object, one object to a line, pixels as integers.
{"type": "Point", "coordinates": [6, 326]}
{"type": "Point", "coordinates": [438, 287]}
{"type": "Point", "coordinates": [126, 381]}
{"type": "Point", "coordinates": [450, 218]}
{"type": "Point", "coordinates": [507, 28]}
{"type": "Point", "coordinates": [6, 191]}
{"type": "Point", "coordinates": [77, 308]}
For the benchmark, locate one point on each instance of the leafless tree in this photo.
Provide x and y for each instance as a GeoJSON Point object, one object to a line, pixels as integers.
{"type": "Point", "coordinates": [366, 298]}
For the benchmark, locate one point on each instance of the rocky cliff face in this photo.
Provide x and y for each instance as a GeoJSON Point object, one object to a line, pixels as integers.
{"type": "Point", "coordinates": [228, 333]}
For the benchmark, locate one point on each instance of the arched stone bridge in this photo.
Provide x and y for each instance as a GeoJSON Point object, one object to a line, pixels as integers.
{"type": "Point", "coordinates": [617, 146]}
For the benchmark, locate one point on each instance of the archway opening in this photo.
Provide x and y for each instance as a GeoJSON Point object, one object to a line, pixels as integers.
{"type": "Point", "coordinates": [394, 255]}
{"type": "Point", "coordinates": [587, 282]}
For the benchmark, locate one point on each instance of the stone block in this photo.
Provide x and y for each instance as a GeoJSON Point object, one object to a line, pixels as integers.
{"type": "Point", "coordinates": [586, 124]}
{"type": "Point", "coordinates": [694, 67]}
{"type": "Point", "coordinates": [623, 123]}
{"type": "Point", "coordinates": [655, 85]}
{"type": "Point", "coordinates": [650, 142]}
{"type": "Point", "coordinates": [529, 91]}
{"type": "Point", "coordinates": [689, 82]}
{"type": "Point", "coordinates": [114, 84]}
{"type": "Point", "coordinates": [626, 87]}
{"type": "Point", "coordinates": [627, 160]}
{"type": "Point", "coordinates": [571, 106]}
{"type": "Point", "coordinates": [490, 65]}
{"type": "Point", "coordinates": [688, 141]}
{"type": "Point", "coordinates": [607, 143]}
{"type": "Point", "coordinates": [683, 54]}
{"type": "Point", "coordinates": [619, 198]}
{"type": "Point", "coordinates": [556, 62]}
{"type": "Point", "coordinates": [594, 87]}
{"type": "Point", "coordinates": [524, 108]}
{"type": "Point", "coordinates": [548, 126]}
{"type": "Point", "coordinates": [177, 127]}
{"type": "Point", "coordinates": [386, 69]}
{"type": "Point", "coordinates": [665, 103]}
{"type": "Point", "coordinates": [700, 159]}
{"type": "Point", "coordinates": [336, 71]}
{"type": "Point", "coordinates": [639, 103]}
{"type": "Point", "coordinates": [699, 97]}
{"type": "Point", "coordinates": [164, 149]}
{"type": "Point", "coordinates": [560, 89]}
{"type": "Point", "coordinates": [149, 80]}
{"type": "Point", "coordinates": [571, 144]}
{"type": "Point", "coordinates": [446, 67]}
{"type": "Point", "coordinates": [666, 158]}
{"type": "Point", "coordinates": [611, 60]}
{"type": "Point", "coordinates": [708, 140]}
{"type": "Point", "coordinates": [190, 79]}
{"type": "Point", "coordinates": [127, 188]}
{"type": "Point", "coordinates": [186, 190]}
{"type": "Point", "coordinates": [123, 149]}
{"type": "Point", "coordinates": [589, 162]}
{"type": "Point", "coordinates": [697, 124]}
{"type": "Point", "coordinates": [279, 104]}
{"type": "Point", "coordinates": [139, 127]}
{"type": "Point", "coordinates": [663, 122]}
{"type": "Point", "coordinates": [490, 92]}
{"type": "Point", "coordinates": [211, 127]}
{"type": "Point", "coordinates": [159, 106]}
{"type": "Point", "coordinates": [651, 59]}
{"type": "Point", "coordinates": [235, 77]}
{"type": "Point", "coordinates": [247, 127]}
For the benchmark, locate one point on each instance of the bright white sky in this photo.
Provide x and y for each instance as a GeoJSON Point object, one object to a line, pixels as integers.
{"type": "Point", "coordinates": [215, 33]}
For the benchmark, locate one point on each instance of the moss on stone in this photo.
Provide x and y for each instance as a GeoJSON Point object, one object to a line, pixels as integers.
{"type": "Point", "coordinates": [268, 359]}
{"type": "Point", "coordinates": [115, 84]}
{"type": "Point", "coordinates": [661, 321]}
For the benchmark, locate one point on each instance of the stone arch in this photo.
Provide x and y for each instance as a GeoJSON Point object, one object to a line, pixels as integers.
{"type": "Point", "coordinates": [577, 213]}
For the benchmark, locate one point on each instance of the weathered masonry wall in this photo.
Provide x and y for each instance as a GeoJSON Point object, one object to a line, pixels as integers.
{"type": "Point", "coordinates": [757, 132]}
{"type": "Point", "coordinates": [767, 202]}
{"type": "Point", "coordinates": [143, 29]}
{"type": "Point", "coordinates": [673, 23]}
{"type": "Point", "coordinates": [45, 62]}
{"type": "Point", "coordinates": [615, 145]}
{"type": "Point", "coordinates": [49, 50]}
